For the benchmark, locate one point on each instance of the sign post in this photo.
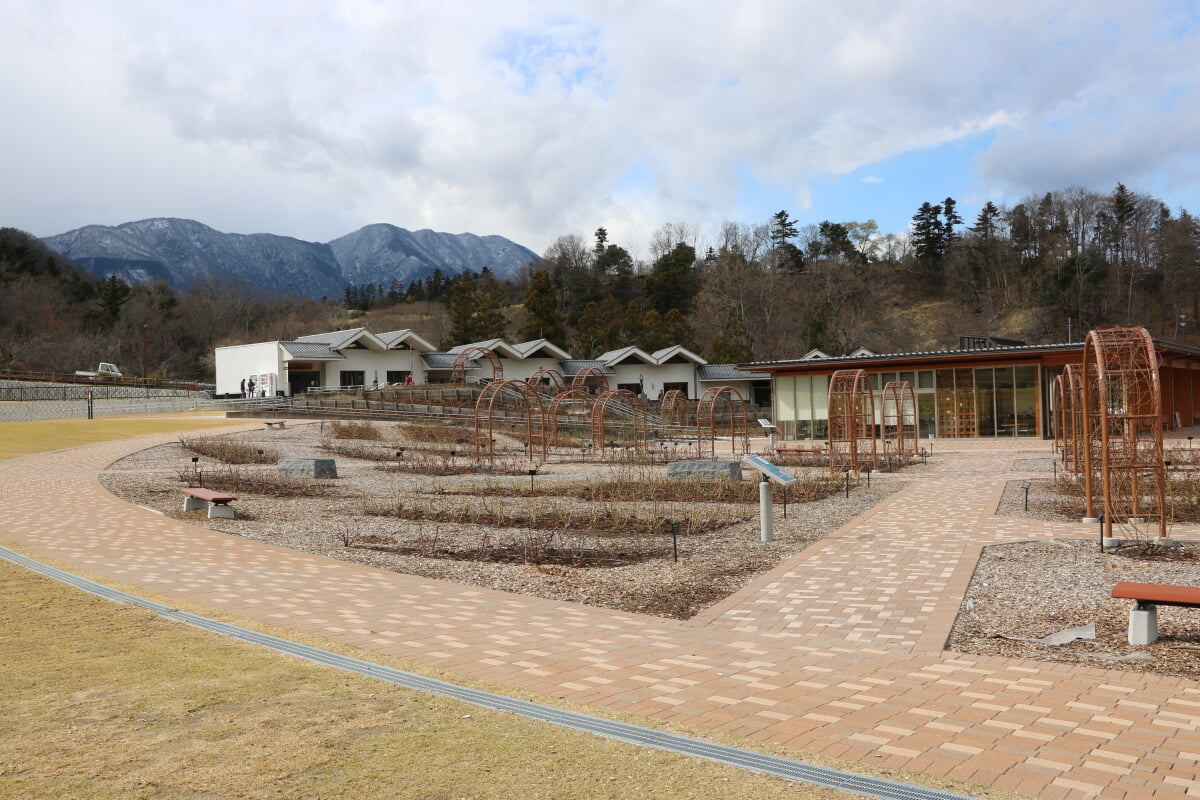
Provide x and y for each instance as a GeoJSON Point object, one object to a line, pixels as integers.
{"type": "Point", "coordinates": [769, 472]}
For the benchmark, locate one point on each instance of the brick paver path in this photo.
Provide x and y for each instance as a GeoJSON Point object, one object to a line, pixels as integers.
{"type": "Point", "coordinates": [837, 651]}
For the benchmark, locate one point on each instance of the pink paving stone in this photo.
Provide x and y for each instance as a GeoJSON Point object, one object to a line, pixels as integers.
{"type": "Point", "coordinates": [842, 640]}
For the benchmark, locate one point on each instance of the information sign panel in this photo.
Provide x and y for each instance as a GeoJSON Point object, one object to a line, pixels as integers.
{"type": "Point", "coordinates": [770, 470]}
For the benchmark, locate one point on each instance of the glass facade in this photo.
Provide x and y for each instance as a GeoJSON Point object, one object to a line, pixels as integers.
{"type": "Point", "coordinates": [951, 403]}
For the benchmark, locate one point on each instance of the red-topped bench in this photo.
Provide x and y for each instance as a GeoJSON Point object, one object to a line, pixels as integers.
{"type": "Point", "coordinates": [1143, 617]}
{"type": "Point", "coordinates": [217, 503]}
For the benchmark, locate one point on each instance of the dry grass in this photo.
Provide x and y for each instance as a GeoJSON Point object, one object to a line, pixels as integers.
{"type": "Point", "coordinates": [108, 701]}
{"type": "Point", "coordinates": [20, 439]}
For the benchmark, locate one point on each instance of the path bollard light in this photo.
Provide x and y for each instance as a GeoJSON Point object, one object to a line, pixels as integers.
{"type": "Point", "coordinates": [1054, 464]}
{"type": "Point", "coordinates": [1025, 485]}
{"type": "Point", "coordinates": [532, 472]}
{"type": "Point", "coordinates": [847, 471]}
{"type": "Point", "coordinates": [924, 455]}
{"type": "Point", "coordinates": [675, 539]}
{"type": "Point", "coordinates": [1100, 519]}
{"type": "Point", "coordinates": [868, 471]}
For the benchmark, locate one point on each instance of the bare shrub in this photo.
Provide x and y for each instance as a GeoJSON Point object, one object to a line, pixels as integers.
{"type": "Point", "coordinates": [356, 448]}
{"type": "Point", "coordinates": [228, 451]}
{"type": "Point", "coordinates": [354, 429]}
{"type": "Point", "coordinates": [629, 488]}
{"type": "Point", "coordinates": [245, 481]}
{"type": "Point", "coordinates": [558, 514]}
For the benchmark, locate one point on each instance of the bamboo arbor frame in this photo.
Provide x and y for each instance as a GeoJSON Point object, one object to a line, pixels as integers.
{"type": "Point", "coordinates": [458, 375]}
{"type": "Point", "coordinates": [1123, 399]}
{"type": "Point", "coordinates": [706, 421]}
{"type": "Point", "coordinates": [637, 422]}
{"type": "Point", "coordinates": [492, 400]}
{"type": "Point", "coordinates": [571, 398]}
{"type": "Point", "coordinates": [851, 421]}
{"type": "Point", "coordinates": [900, 417]}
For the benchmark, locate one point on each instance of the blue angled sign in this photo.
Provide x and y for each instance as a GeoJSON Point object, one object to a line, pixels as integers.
{"type": "Point", "coordinates": [770, 470]}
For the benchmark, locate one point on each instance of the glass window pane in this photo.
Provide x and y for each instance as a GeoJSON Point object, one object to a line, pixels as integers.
{"type": "Point", "coordinates": [985, 401]}
{"type": "Point", "coordinates": [1025, 400]}
{"type": "Point", "coordinates": [785, 399]}
{"type": "Point", "coordinates": [1006, 415]}
{"type": "Point", "coordinates": [925, 379]}
{"type": "Point", "coordinates": [820, 399]}
{"type": "Point", "coordinates": [911, 377]}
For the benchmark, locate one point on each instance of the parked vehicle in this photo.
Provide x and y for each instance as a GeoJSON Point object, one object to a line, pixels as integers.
{"type": "Point", "coordinates": [105, 371]}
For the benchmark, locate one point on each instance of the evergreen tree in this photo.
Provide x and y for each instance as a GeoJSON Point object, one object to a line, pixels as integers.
{"type": "Point", "coordinates": [928, 241]}
{"type": "Point", "coordinates": [464, 291]}
{"type": "Point", "coordinates": [542, 320]}
{"type": "Point", "coordinates": [673, 282]}
{"type": "Point", "coordinates": [786, 256]}
{"type": "Point", "coordinates": [111, 294]}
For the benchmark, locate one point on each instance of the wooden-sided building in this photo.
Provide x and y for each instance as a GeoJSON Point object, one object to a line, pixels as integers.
{"type": "Point", "coordinates": [987, 388]}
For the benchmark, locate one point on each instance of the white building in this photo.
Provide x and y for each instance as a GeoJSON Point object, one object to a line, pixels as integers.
{"type": "Point", "coordinates": [359, 358]}
{"type": "Point", "coordinates": [353, 357]}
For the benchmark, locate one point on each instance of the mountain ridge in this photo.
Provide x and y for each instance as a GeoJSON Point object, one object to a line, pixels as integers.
{"type": "Point", "coordinates": [185, 253]}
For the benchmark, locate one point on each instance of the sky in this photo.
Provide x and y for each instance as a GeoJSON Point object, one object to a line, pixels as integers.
{"type": "Point", "coordinates": [532, 120]}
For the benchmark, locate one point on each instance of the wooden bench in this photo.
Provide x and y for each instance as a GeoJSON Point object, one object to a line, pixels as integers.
{"type": "Point", "coordinates": [217, 503]}
{"type": "Point", "coordinates": [1143, 617]}
{"type": "Point", "coordinates": [789, 448]}
{"type": "Point", "coordinates": [274, 423]}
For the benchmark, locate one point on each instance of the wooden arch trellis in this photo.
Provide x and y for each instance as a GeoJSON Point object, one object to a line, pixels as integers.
{"type": "Point", "coordinates": [1061, 412]}
{"type": "Point", "coordinates": [900, 417]}
{"type": "Point", "coordinates": [513, 396]}
{"type": "Point", "coordinates": [1123, 398]}
{"type": "Point", "coordinates": [851, 421]}
{"type": "Point", "coordinates": [552, 378]}
{"type": "Point", "coordinates": [1074, 422]}
{"type": "Point", "coordinates": [674, 411]}
{"type": "Point", "coordinates": [636, 408]}
{"type": "Point", "coordinates": [581, 378]}
{"type": "Point", "coordinates": [706, 421]}
{"type": "Point", "coordinates": [571, 403]}
{"type": "Point", "coordinates": [458, 375]}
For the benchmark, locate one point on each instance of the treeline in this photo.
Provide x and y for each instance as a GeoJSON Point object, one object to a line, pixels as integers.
{"type": "Point", "coordinates": [1050, 266]}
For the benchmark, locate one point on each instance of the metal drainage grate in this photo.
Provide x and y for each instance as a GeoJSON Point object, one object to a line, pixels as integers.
{"type": "Point", "coordinates": [697, 748]}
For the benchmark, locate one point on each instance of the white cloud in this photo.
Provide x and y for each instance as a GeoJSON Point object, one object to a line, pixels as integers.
{"type": "Point", "coordinates": [314, 118]}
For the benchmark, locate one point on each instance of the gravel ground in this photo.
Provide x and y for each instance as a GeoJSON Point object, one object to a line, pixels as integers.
{"type": "Point", "coordinates": [1033, 589]}
{"type": "Point", "coordinates": [640, 575]}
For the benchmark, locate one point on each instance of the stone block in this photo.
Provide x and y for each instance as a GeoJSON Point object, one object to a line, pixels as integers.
{"type": "Point", "coordinates": [1143, 625]}
{"type": "Point", "coordinates": [705, 469]}
{"type": "Point", "coordinates": [306, 468]}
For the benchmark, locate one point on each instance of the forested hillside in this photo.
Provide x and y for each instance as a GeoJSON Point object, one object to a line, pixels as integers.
{"type": "Point", "coordinates": [1047, 268]}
